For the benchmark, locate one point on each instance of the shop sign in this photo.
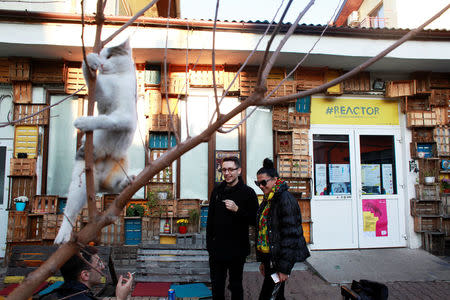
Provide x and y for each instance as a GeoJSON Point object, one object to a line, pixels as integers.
{"type": "Point", "coordinates": [354, 111]}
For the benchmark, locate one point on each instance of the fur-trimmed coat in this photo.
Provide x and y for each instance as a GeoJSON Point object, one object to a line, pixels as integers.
{"type": "Point", "coordinates": [285, 232]}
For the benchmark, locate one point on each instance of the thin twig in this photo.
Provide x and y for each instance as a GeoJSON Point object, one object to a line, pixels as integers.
{"type": "Point", "coordinates": [213, 56]}
{"type": "Point", "coordinates": [131, 21]}
{"type": "Point", "coordinates": [4, 124]}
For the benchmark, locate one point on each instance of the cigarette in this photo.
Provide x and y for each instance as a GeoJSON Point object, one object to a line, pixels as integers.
{"type": "Point", "coordinates": [133, 273]}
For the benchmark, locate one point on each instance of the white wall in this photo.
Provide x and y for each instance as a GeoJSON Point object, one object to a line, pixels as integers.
{"type": "Point", "coordinates": [6, 108]}
{"type": "Point", "coordinates": [412, 13]}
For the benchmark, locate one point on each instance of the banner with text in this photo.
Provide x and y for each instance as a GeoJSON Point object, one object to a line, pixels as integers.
{"type": "Point", "coordinates": [354, 111]}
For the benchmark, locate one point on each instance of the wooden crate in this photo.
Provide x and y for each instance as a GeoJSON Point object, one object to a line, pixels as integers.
{"type": "Point", "coordinates": [175, 86]}
{"type": "Point", "coordinates": [439, 80]}
{"type": "Point", "coordinates": [247, 81]}
{"type": "Point", "coordinates": [230, 72]}
{"type": "Point", "coordinates": [51, 225]}
{"type": "Point", "coordinates": [4, 70]}
{"type": "Point", "coordinates": [150, 228]}
{"type": "Point", "coordinates": [299, 186]}
{"type": "Point", "coordinates": [161, 122]}
{"type": "Point", "coordinates": [23, 186]}
{"type": "Point", "coordinates": [300, 141]}
{"type": "Point", "coordinates": [26, 140]}
{"type": "Point", "coordinates": [417, 150]}
{"type": "Point", "coordinates": [415, 103]}
{"type": "Point", "coordinates": [113, 235]}
{"type": "Point", "coordinates": [202, 76]}
{"type": "Point", "coordinates": [283, 142]}
{"type": "Point", "coordinates": [287, 88]}
{"type": "Point", "coordinates": [422, 81]}
{"type": "Point", "coordinates": [298, 120]}
{"type": "Point", "coordinates": [294, 166]}
{"type": "Point", "coordinates": [166, 174]}
{"type": "Point", "coordinates": [440, 97]}
{"type": "Point", "coordinates": [434, 242]}
{"type": "Point", "coordinates": [17, 226]}
{"type": "Point", "coordinates": [335, 89]}
{"type": "Point", "coordinates": [307, 231]}
{"type": "Point", "coordinates": [75, 79]}
{"type": "Point", "coordinates": [24, 110]}
{"type": "Point", "coordinates": [441, 115]}
{"type": "Point", "coordinates": [35, 227]}
{"type": "Point", "coordinates": [400, 88]}
{"type": "Point", "coordinates": [48, 71]}
{"type": "Point", "coordinates": [422, 135]}
{"type": "Point", "coordinates": [19, 69]}
{"type": "Point", "coordinates": [442, 138]}
{"type": "Point", "coordinates": [446, 225]}
{"type": "Point", "coordinates": [427, 192]}
{"type": "Point", "coordinates": [308, 78]}
{"type": "Point", "coordinates": [22, 167]}
{"type": "Point", "coordinates": [427, 223]}
{"type": "Point", "coordinates": [305, 209]}
{"type": "Point", "coordinates": [140, 79]}
{"type": "Point", "coordinates": [44, 204]}
{"type": "Point", "coordinates": [358, 83]}
{"type": "Point", "coordinates": [22, 92]}
{"type": "Point", "coordinates": [185, 205]}
{"type": "Point", "coordinates": [428, 166]}
{"type": "Point", "coordinates": [280, 117]}
{"type": "Point", "coordinates": [445, 200]}
{"type": "Point", "coordinates": [421, 119]}
{"type": "Point", "coordinates": [424, 208]}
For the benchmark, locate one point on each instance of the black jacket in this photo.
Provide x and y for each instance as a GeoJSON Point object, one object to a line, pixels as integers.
{"type": "Point", "coordinates": [75, 288]}
{"type": "Point", "coordinates": [227, 231]}
{"type": "Point", "coordinates": [285, 232]}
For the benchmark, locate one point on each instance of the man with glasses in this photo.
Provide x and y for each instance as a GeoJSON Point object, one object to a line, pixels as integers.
{"type": "Point", "coordinates": [232, 208]}
{"type": "Point", "coordinates": [81, 273]}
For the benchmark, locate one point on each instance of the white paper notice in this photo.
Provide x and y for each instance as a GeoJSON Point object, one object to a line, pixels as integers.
{"type": "Point", "coordinates": [388, 183]}
{"type": "Point", "coordinates": [339, 173]}
{"type": "Point", "coordinates": [321, 178]}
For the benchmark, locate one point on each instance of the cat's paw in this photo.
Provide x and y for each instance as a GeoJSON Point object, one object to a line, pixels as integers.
{"type": "Point", "coordinates": [127, 181]}
{"type": "Point", "coordinates": [93, 61]}
{"type": "Point", "coordinates": [83, 123]}
{"type": "Point", "coordinates": [64, 235]}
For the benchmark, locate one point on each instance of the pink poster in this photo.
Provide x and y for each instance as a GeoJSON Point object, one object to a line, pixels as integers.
{"type": "Point", "coordinates": [375, 217]}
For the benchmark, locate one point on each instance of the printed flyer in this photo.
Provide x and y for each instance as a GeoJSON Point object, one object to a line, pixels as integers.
{"type": "Point", "coordinates": [375, 217]}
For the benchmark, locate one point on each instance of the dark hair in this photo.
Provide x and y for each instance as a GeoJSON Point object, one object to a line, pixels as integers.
{"type": "Point", "coordinates": [268, 168]}
{"type": "Point", "coordinates": [234, 159]}
{"type": "Point", "coordinates": [71, 270]}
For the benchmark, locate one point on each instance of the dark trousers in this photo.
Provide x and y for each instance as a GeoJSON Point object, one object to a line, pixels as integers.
{"type": "Point", "coordinates": [269, 285]}
{"type": "Point", "coordinates": [218, 271]}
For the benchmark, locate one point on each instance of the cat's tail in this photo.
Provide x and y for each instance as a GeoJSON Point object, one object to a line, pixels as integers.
{"type": "Point", "coordinates": [76, 199]}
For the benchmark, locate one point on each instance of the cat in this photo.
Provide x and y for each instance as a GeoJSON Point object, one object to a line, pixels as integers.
{"type": "Point", "coordinates": [113, 128]}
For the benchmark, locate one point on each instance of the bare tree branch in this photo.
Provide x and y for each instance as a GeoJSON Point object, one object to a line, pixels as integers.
{"type": "Point", "coordinates": [213, 56]}
{"type": "Point", "coordinates": [90, 231]}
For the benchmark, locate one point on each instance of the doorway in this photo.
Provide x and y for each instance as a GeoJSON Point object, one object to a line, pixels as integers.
{"type": "Point", "coordinates": [6, 150]}
{"type": "Point", "coordinates": [357, 200]}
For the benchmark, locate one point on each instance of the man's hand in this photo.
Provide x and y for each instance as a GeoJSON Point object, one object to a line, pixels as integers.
{"type": "Point", "coordinates": [123, 287]}
{"type": "Point", "coordinates": [261, 269]}
{"type": "Point", "coordinates": [283, 277]}
{"type": "Point", "coordinates": [230, 205]}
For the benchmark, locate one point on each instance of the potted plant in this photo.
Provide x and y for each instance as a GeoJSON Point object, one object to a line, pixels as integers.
{"type": "Point", "coordinates": [182, 223]}
{"type": "Point", "coordinates": [445, 185]}
{"type": "Point", "coordinates": [21, 202]}
{"type": "Point", "coordinates": [429, 177]}
{"type": "Point", "coordinates": [135, 210]}
{"type": "Point", "coordinates": [194, 216]}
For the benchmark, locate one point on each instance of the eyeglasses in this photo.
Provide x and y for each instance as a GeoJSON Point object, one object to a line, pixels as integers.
{"type": "Point", "coordinates": [227, 170]}
{"type": "Point", "coordinates": [100, 263]}
{"type": "Point", "coordinates": [262, 182]}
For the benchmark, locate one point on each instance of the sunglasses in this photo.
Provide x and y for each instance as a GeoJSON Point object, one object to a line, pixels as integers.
{"type": "Point", "coordinates": [262, 182]}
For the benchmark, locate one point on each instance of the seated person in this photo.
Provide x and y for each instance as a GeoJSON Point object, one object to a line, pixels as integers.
{"type": "Point", "coordinates": [80, 277]}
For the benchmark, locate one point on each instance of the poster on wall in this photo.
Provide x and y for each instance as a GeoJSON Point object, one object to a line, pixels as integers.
{"type": "Point", "coordinates": [375, 222]}
{"type": "Point", "coordinates": [321, 179]}
{"type": "Point", "coordinates": [220, 155]}
{"type": "Point", "coordinates": [388, 183]}
{"type": "Point", "coordinates": [370, 178]}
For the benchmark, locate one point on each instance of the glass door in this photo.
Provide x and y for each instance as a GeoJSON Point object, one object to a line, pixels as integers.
{"type": "Point", "coordinates": [5, 156]}
{"type": "Point", "coordinates": [333, 204]}
{"type": "Point", "coordinates": [380, 217]}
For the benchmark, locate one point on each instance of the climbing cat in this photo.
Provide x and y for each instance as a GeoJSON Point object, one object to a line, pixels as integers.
{"type": "Point", "coordinates": [114, 127]}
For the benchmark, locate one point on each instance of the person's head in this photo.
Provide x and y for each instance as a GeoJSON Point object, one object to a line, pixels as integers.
{"type": "Point", "coordinates": [77, 269]}
{"type": "Point", "coordinates": [231, 169]}
{"type": "Point", "coordinates": [266, 176]}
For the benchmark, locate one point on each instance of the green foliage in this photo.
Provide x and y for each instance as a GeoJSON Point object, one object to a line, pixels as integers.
{"type": "Point", "coordinates": [135, 210]}
{"type": "Point", "coordinates": [194, 216]}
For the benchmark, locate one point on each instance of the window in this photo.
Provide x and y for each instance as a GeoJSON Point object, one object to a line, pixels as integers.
{"type": "Point", "coordinates": [376, 18]}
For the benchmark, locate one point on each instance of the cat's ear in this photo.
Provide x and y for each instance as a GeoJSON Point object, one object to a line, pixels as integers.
{"type": "Point", "coordinates": [126, 44]}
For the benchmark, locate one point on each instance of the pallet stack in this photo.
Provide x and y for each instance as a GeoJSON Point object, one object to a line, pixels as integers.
{"type": "Point", "coordinates": [425, 101]}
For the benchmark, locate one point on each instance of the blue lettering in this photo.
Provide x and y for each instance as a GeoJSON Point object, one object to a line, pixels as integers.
{"type": "Point", "coordinates": [356, 110]}
{"type": "Point", "coordinates": [349, 109]}
{"type": "Point", "coordinates": [370, 110]}
{"type": "Point", "coordinates": [377, 110]}
{"type": "Point", "coordinates": [342, 110]}
{"type": "Point", "coordinates": [336, 110]}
